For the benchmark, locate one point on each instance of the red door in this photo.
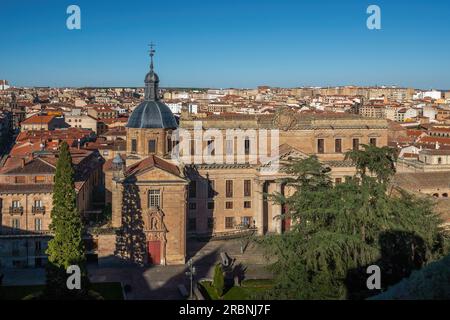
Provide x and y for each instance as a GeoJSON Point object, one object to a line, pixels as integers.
{"type": "Point", "coordinates": [154, 252]}
{"type": "Point", "coordinates": [286, 223]}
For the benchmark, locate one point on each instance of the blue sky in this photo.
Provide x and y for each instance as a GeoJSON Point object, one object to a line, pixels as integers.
{"type": "Point", "coordinates": [226, 43]}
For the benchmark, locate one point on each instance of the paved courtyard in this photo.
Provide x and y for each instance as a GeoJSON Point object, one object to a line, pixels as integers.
{"type": "Point", "coordinates": [160, 282]}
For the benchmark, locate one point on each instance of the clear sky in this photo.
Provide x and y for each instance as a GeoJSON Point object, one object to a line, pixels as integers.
{"type": "Point", "coordinates": [226, 43]}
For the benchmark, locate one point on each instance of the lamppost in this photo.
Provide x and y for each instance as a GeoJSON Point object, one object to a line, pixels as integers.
{"type": "Point", "coordinates": [191, 273]}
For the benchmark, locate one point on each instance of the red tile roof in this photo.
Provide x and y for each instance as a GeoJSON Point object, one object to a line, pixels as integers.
{"type": "Point", "coordinates": [150, 162]}
{"type": "Point", "coordinates": [38, 119]}
{"type": "Point", "coordinates": [434, 140]}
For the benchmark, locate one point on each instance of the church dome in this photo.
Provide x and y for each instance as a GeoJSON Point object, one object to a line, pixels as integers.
{"type": "Point", "coordinates": [152, 113]}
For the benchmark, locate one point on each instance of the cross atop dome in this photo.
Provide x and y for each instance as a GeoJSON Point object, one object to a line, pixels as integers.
{"type": "Point", "coordinates": [152, 53]}
{"type": "Point", "coordinates": [151, 79]}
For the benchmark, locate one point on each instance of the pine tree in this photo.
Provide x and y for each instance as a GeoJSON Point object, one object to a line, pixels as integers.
{"type": "Point", "coordinates": [66, 248]}
{"type": "Point", "coordinates": [339, 230]}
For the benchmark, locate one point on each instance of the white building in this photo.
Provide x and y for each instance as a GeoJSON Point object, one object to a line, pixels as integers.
{"type": "Point", "coordinates": [411, 113]}
{"type": "Point", "coordinates": [433, 94]}
{"type": "Point", "coordinates": [4, 85]}
{"type": "Point", "coordinates": [430, 112]}
{"type": "Point", "coordinates": [175, 107]}
{"type": "Point", "coordinates": [192, 108]}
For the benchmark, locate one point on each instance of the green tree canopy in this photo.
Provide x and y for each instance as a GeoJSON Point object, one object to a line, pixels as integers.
{"type": "Point", "coordinates": [338, 230]}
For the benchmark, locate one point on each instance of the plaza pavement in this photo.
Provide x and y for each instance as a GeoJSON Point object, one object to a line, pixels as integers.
{"type": "Point", "coordinates": [160, 282]}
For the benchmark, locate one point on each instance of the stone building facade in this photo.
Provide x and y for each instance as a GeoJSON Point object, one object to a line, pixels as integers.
{"type": "Point", "coordinates": [26, 190]}
{"type": "Point", "coordinates": [179, 192]}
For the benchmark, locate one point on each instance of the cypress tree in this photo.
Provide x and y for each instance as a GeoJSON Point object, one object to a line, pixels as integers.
{"type": "Point", "coordinates": [66, 248]}
{"type": "Point", "coordinates": [219, 280]}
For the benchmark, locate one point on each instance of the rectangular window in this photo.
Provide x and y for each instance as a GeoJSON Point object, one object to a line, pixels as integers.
{"type": "Point", "coordinates": [320, 146]}
{"type": "Point", "coordinates": [193, 189]}
{"type": "Point", "coordinates": [246, 221]}
{"type": "Point", "coordinates": [133, 145]}
{"type": "Point", "coordinates": [229, 222]}
{"type": "Point", "coordinates": [247, 146]}
{"type": "Point", "coordinates": [211, 189]}
{"type": "Point", "coordinates": [169, 144]}
{"type": "Point", "coordinates": [229, 188]}
{"type": "Point", "coordinates": [15, 223]}
{"type": "Point", "coordinates": [211, 223]}
{"type": "Point", "coordinates": [39, 179]}
{"type": "Point", "coordinates": [247, 188]}
{"type": "Point", "coordinates": [247, 204]}
{"type": "Point", "coordinates": [192, 145]}
{"type": "Point", "coordinates": [192, 206]}
{"type": "Point", "coordinates": [373, 141]}
{"type": "Point", "coordinates": [16, 204]}
{"type": "Point", "coordinates": [20, 179]}
{"type": "Point", "coordinates": [211, 148]}
{"type": "Point", "coordinates": [37, 224]}
{"type": "Point", "coordinates": [229, 205]}
{"type": "Point", "coordinates": [210, 205]}
{"type": "Point", "coordinates": [338, 145]}
{"type": "Point", "coordinates": [338, 181]}
{"type": "Point", "coordinates": [154, 198]}
{"type": "Point", "coordinates": [355, 144]}
{"type": "Point", "coordinates": [152, 146]}
{"type": "Point", "coordinates": [229, 147]}
{"type": "Point", "coordinates": [192, 224]}
{"type": "Point", "coordinates": [38, 204]}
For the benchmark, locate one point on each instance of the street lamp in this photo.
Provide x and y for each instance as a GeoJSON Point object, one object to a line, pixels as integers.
{"type": "Point", "coordinates": [191, 273]}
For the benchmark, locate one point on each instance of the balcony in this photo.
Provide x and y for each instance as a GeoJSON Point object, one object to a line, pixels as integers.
{"type": "Point", "coordinates": [38, 210]}
{"type": "Point", "coordinates": [16, 210]}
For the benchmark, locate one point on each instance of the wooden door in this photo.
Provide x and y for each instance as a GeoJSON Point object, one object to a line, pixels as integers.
{"type": "Point", "coordinates": [154, 252]}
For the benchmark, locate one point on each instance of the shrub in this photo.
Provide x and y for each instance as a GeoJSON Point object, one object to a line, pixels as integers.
{"type": "Point", "coordinates": [219, 280]}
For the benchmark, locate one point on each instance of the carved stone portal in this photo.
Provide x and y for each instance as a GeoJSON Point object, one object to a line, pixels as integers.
{"type": "Point", "coordinates": [155, 229]}
{"type": "Point", "coordinates": [154, 225]}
